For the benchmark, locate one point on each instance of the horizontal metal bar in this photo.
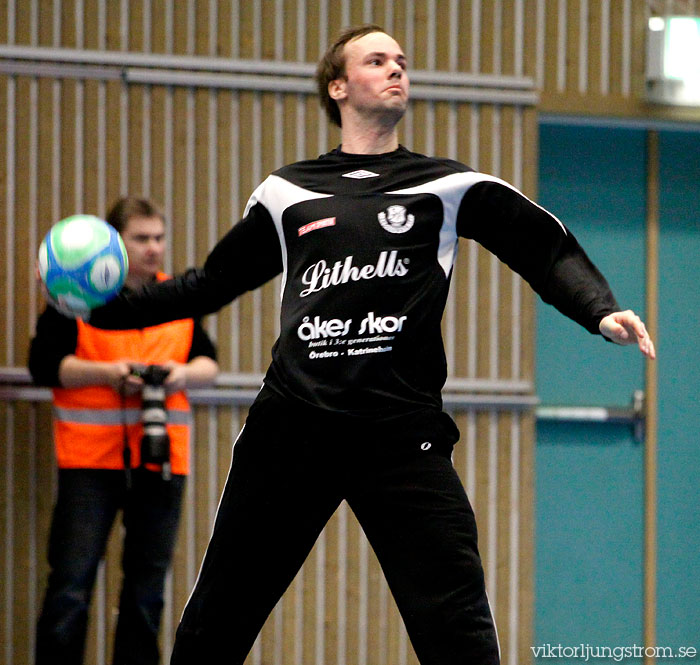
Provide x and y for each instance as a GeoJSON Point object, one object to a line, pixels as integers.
{"type": "Point", "coordinates": [210, 397]}
{"type": "Point", "coordinates": [489, 402]}
{"type": "Point", "coordinates": [489, 386]}
{"type": "Point", "coordinates": [245, 396]}
{"type": "Point", "coordinates": [432, 86]}
{"type": "Point", "coordinates": [461, 79]}
{"type": "Point", "coordinates": [154, 60]}
{"type": "Point", "coordinates": [586, 414]}
{"type": "Point", "coordinates": [271, 83]}
{"type": "Point", "coordinates": [233, 74]}
{"type": "Point", "coordinates": [60, 71]}
{"type": "Point", "coordinates": [474, 95]}
{"type": "Point", "coordinates": [275, 83]}
{"type": "Point", "coordinates": [231, 388]}
{"type": "Point", "coordinates": [237, 388]}
{"type": "Point", "coordinates": [20, 376]}
{"type": "Point", "coordinates": [24, 394]}
{"type": "Point", "coordinates": [232, 65]}
{"type": "Point", "coordinates": [453, 384]}
{"type": "Point", "coordinates": [634, 415]}
{"type": "Point", "coordinates": [237, 379]}
{"type": "Point", "coordinates": [222, 396]}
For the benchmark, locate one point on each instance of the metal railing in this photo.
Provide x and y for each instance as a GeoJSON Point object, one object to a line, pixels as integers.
{"type": "Point", "coordinates": [241, 388]}
{"type": "Point", "coordinates": [231, 73]}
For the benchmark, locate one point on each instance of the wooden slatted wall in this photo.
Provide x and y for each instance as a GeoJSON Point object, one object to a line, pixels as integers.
{"type": "Point", "coordinates": [591, 57]}
{"type": "Point", "coordinates": [75, 136]}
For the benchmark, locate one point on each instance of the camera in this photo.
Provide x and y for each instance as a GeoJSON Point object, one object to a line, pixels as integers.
{"type": "Point", "coordinates": [155, 443]}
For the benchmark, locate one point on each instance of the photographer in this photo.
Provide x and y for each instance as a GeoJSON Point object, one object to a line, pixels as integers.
{"type": "Point", "coordinates": [121, 430]}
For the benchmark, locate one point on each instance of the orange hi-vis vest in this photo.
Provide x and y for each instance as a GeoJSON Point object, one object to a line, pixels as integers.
{"type": "Point", "coordinates": [89, 421]}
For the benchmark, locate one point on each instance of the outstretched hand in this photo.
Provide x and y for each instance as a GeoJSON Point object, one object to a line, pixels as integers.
{"type": "Point", "coordinates": [627, 328]}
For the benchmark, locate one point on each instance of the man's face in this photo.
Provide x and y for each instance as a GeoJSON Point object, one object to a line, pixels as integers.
{"type": "Point", "coordinates": [144, 239]}
{"type": "Point", "coordinates": [375, 80]}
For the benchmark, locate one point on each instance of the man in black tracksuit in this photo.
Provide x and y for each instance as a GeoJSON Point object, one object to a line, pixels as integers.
{"type": "Point", "coordinates": [365, 238]}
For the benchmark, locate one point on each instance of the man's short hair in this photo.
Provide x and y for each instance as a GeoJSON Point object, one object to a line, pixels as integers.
{"type": "Point", "coordinates": [332, 67]}
{"type": "Point", "coordinates": [131, 206]}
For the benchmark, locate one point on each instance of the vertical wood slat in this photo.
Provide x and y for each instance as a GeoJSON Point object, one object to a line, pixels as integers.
{"type": "Point", "coordinates": [588, 55]}
{"type": "Point", "coordinates": [651, 396]}
{"type": "Point", "coordinates": [8, 504]}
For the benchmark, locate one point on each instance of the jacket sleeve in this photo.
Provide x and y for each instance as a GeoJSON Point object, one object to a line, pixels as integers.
{"type": "Point", "coordinates": [56, 337]}
{"type": "Point", "coordinates": [245, 258]}
{"type": "Point", "coordinates": [201, 343]}
{"type": "Point", "coordinates": [536, 245]}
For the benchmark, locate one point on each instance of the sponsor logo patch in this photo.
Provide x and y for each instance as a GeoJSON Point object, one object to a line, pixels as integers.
{"type": "Point", "coordinates": [318, 224]}
{"type": "Point", "coordinates": [395, 220]}
{"type": "Point", "coordinates": [320, 275]}
{"type": "Point", "coordinates": [359, 175]}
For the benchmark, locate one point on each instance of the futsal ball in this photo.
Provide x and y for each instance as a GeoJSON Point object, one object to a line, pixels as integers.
{"type": "Point", "coordinates": [83, 264]}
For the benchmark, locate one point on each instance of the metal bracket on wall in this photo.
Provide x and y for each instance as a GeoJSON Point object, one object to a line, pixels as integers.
{"type": "Point", "coordinates": [634, 415]}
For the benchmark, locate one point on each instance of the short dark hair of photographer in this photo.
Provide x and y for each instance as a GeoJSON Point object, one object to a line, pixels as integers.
{"type": "Point", "coordinates": [131, 206]}
{"type": "Point", "coordinates": [332, 67]}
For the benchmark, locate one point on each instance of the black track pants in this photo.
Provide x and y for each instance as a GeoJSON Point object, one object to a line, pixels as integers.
{"type": "Point", "coordinates": [289, 473]}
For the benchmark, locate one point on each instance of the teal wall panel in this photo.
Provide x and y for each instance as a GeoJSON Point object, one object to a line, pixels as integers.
{"type": "Point", "coordinates": [589, 478]}
{"type": "Point", "coordinates": [679, 391]}
{"type": "Point", "coordinates": [593, 179]}
{"type": "Point", "coordinates": [589, 550]}
{"type": "Point", "coordinates": [589, 486]}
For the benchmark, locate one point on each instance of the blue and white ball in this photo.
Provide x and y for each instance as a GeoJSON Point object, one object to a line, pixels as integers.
{"type": "Point", "coordinates": [83, 264]}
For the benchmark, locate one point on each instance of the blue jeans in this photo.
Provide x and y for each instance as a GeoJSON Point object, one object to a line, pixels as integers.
{"type": "Point", "coordinates": [86, 507]}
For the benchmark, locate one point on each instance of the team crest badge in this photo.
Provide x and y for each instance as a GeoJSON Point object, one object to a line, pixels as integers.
{"type": "Point", "coordinates": [395, 220]}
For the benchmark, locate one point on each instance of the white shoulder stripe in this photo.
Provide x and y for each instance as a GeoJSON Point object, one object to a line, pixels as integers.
{"type": "Point", "coordinates": [276, 195]}
{"type": "Point", "coordinates": [451, 190]}
{"type": "Point", "coordinates": [484, 177]}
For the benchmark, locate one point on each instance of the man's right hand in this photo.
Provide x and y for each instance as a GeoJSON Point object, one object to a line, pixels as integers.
{"type": "Point", "coordinates": [122, 379]}
{"type": "Point", "coordinates": [76, 372]}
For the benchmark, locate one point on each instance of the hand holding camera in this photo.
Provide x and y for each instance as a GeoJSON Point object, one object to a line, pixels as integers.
{"type": "Point", "coordinates": [177, 376]}
{"type": "Point", "coordinates": [155, 444]}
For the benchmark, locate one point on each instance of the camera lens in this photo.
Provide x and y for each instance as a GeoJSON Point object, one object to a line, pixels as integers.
{"type": "Point", "coordinates": [155, 444]}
